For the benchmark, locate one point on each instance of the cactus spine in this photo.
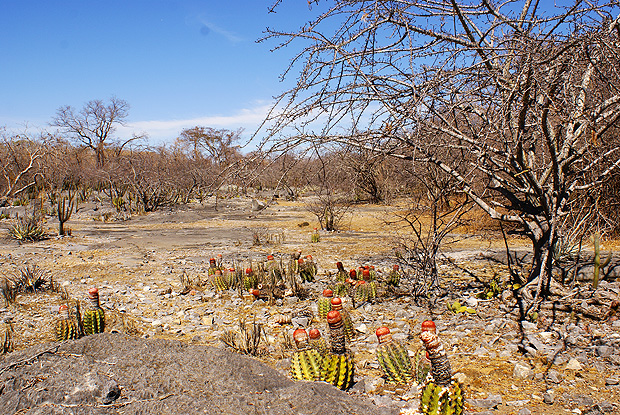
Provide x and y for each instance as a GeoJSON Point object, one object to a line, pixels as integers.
{"type": "Point", "coordinates": [305, 362]}
{"type": "Point", "coordinates": [443, 395]}
{"type": "Point", "coordinates": [393, 358]}
{"type": "Point", "coordinates": [94, 317]}
{"type": "Point", "coordinates": [325, 303]}
{"type": "Point", "coordinates": [66, 328]}
{"type": "Point", "coordinates": [338, 368]}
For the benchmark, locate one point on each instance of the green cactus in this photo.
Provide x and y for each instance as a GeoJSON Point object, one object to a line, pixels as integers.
{"type": "Point", "coordinates": [393, 278]}
{"type": "Point", "coordinates": [219, 281]}
{"type": "Point", "coordinates": [94, 316]}
{"type": "Point", "coordinates": [325, 303]}
{"type": "Point", "coordinates": [338, 370]}
{"type": "Point", "coordinates": [421, 366]}
{"type": "Point", "coordinates": [66, 327]}
{"type": "Point", "coordinates": [440, 400]}
{"type": "Point", "coordinates": [306, 365]}
{"type": "Point", "coordinates": [315, 236]}
{"type": "Point", "coordinates": [597, 260]}
{"type": "Point", "coordinates": [395, 362]}
{"type": "Point", "coordinates": [340, 289]}
{"type": "Point", "coordinates": [250, 280]}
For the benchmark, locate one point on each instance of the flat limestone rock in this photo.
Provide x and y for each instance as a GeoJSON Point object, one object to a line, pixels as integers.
{"type": "Point", "coordinates": [158, 376]}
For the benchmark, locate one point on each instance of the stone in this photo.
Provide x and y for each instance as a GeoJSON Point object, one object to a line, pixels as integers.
{"type": "Point", "coordinates": [548, 398]}
{"type": "Point", "coordinates": [522, 371]}
{"type": "Point", "coordinates": [528, 326]}
{"type": "Point", "coordinates": [524, 411]}
{"type": "Point", "coordinates": [612, 381]}
{"type": "Point", "coordinates": [573, 364]}
{"type": "Point", "coordinates": [605, 407]}
{"type": "Point", "coordinates": [480, 351]}
{"type": "Point", "coordinates": [491, 401]}
{"type": "Point", "coordinates": [604, 351]}
{"type": "Point", "coordinates": [554, 376]}
{"type": "Point", "coordinates": [362, 328]}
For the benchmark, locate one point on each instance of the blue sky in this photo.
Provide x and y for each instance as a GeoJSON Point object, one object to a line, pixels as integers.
{"type": "Point", "coordinates": [177, 63]}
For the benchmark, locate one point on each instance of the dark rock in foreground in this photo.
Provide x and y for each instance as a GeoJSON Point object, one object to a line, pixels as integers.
{"type": "Point", "coordinates": [158, 376]}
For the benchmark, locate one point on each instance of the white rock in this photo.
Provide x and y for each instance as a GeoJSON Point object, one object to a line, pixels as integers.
{"type": "Point", "coordinates": [362, 328]}
{"type": "Point", "coordinates": [523, 371]}
{"type": "Point", "coordinates": [573, 364]}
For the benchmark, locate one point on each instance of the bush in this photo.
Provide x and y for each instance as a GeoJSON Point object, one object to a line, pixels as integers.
{"type": "Point", "coordinates": [27, 229]}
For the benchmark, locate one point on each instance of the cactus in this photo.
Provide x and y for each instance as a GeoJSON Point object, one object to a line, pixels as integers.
{"type": "Point", "coordinates": [94, 317]}
{"type": "Point", "coordinates": [338, 368]}
{"type": "Point", "coordinates": [325, 303]}
{"type": "Point", "coordinates": [305, 362]}
{"type": "Point", "coordinates": [443, 394]}
{"type": "Point", "coordinates": [341, 289]}
{"type": "Point", "coordinates": [212, 267]}
{"type": "Point", "coordinates": [393, 358]}
{"type": "Point", "coordinates": [393, 278]}
{"type": "Point", "coordinates": [441, 400]}
{"type": "Point", "coordinates": [349, 331]}
{"type": "Point", "coordinates": [307, 269]}
{"type": "Point", "coordinates": [250, 280]}
{"type": "Point", "coordinates": [219, 281]}
{"type": "Point", "coordinates": [341, 274]}
{"type": "Point", "coordinates": [317, 342]}
{"type": "Point", "coordinates": [315, 236]}
{"type": "Point", "coordinates": [66, 328]}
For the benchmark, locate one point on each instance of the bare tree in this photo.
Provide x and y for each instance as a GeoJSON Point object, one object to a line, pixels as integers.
{"type": "Point", "coordinates": [513, 101]}
{"type": "Point", "coordinates": [94, 125]}
{"type": "Point", "coordinates": [19, 165]}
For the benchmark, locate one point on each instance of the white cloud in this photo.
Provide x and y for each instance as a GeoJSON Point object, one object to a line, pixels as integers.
{"type": "Point", "coordinates": [167, 130]}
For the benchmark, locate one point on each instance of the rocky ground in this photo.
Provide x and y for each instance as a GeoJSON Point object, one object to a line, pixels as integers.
{"type": "Point", "coordinates": [562, 363]}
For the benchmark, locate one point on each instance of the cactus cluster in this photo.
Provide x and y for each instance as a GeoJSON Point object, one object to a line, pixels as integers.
{"type": "Point", "coordinates": [307, 269]}
{"type": "Point", "coordinates": [314, 360]}
{"type": "Point", "coordinates": [306, 362]}
{"type": "Point", "coordinates": [442, 400]}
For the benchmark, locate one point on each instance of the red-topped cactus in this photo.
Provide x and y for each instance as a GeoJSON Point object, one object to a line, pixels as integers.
{"type": "Point", "coordinates": [338, 367]}
{"type": "Point", "coordinates": [94, 316]}
{"type": "Point", "coordinates": [325, 303]}
{"type": "Point", "coordinates": [442, 395]}
{"type": "Point", "coordinates": [394, 358]}
{"type": "Point", "coordinates": [346, 318]}
{"type": "Point", "coordinates": [66, 328]}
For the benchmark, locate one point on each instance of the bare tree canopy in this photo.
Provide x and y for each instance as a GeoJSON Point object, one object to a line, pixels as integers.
{"type": "Point", "coordinates": [94, 125]}
{"type": "Point", "coordinates": [217, 144]}
{"type": "Point", "coordinates": [517, 101]}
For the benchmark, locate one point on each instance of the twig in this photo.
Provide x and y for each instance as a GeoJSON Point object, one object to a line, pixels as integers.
{"type": "Point", "coordinates": [96, 405]}
{"type": "Point", "coordinates": [29, 360]}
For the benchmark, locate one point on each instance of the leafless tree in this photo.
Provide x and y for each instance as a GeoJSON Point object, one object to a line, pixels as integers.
{"type": "Point", "coordinates": [19, 165]}
{"type": "Point", "coordinates": [514, 99]}
{"type": "Point", "coordinates": [94, 125]}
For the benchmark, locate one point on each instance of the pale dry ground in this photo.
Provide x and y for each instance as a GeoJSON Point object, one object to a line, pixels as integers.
{"type": "Point", "coordinates": [155, 248]}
